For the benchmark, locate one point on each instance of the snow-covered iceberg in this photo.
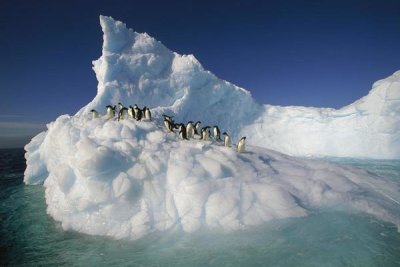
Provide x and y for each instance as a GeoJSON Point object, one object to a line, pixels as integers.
{"type": "Point", "coordinates": [136, 68]}
{"type": "Point", "coordinates": [128, 178]}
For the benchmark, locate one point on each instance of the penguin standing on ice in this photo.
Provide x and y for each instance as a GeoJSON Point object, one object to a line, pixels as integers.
{"type": "Point", "coordinates": [205, 133]}
{"type": "Point", "coordinates": [138, 113]}
{"type": "Point", "coordinates": [189, 130]}
{"type": "Point", "coordinates": [168, 124]}
{"type": "Point", "coordinates": [197, 128]}
{"type": "Point", "coordinates": [95, 114]}
{"type": "Point", "coordinates": [227, 140]}
{"type": "Point", "coordinates": [120, 106]}
{"type": "Point", "coordinates": [110, 111]}
{"type": "Point", "coordinates": [147, 113]}
{"type": "Point", "coordinates": [217, 134]}
{"type": "Point", "coordinates": [131, 112]}
{"type": "Point", "coordinates": [182, 131]}
{"type": "Point", "coordinates": [122, 113]}
{"type": "Point", "coordinates": [241, 146]}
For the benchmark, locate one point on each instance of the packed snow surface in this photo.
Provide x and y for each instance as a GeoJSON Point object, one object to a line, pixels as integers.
{"type": "Point", "coordinates": [128, 178]}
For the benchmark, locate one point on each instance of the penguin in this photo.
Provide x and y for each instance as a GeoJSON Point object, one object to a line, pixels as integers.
{"type": "Point", "coordinates": [120, 106]}
{"type": "Point", "coordinates": [197, 128]}
{"type": "Point", "coordinates": [131, 112]}
{"type": "Point", "coordinates": [110, 111]}
{"type": "Point", "coordinates": [241, 146]}
{"type": "Point", "coordinates": [138, 113]}
{"type": "Point", "coordinates": [147, 114]}
{"type": "Point", "coordinates": [189, 130]}
{"type": "Point", "coordinates": [227, 139]}
{"type": "Point", "coordinates": [171, 123]}
{"type": "Point", "coordinates": [182, 131]}
{"type": "Point", "coordinates": [168, 125]}
{"type": "Point", "coordinates": [144, 112]}
{"type": "Point", "coordinates": [217, 134]}
{"type": "Point", "coordinates": [122, 112]}
{"type": "Point", "coordinates": [205, 133]}
{"type": "Point", "coordinates": [95, 114]}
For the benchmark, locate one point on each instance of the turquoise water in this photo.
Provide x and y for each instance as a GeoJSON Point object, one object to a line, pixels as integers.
{"type": "Point", "coordinates": [29, 237]}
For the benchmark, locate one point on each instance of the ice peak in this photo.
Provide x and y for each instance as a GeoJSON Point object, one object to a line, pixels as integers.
{"type": "Point", "coordinates": [136, 68]}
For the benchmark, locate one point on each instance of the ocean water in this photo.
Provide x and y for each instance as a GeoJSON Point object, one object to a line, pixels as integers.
{"type": "Point", "coordinates": [29, 237]}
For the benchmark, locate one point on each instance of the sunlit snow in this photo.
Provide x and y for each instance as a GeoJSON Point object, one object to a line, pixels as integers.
{"type": "Point", "coordinates": [128, 178]}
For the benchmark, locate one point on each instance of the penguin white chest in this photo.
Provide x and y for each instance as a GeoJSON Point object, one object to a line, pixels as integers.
{"type": "Point", "coordinates": [110, 113]}
{"type": "Point", "coordinates": [241, 146]}
{"type": "Point", "coordinates": [147, 115]}
{"type": "Point", "coordinates": [227, 141]}
{"type": "Point", "coordinates": [215, 132]}
{"type": "Point", "coordinates": [189, 130]}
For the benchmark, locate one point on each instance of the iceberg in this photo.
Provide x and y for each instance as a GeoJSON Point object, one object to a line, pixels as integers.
{"type": "Point", "coordinates": [126, 179]}
{"type": "Point", "coordinates": [136, 68]}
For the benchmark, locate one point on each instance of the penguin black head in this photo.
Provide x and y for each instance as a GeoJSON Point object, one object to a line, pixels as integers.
{"type": "Point", "coordinates": [93, 110]}
{"type": "Point", "coordinates": [190, 121]}
{"type": "Point", "coordinates": [224, 133]}
{"type": "Point", "coordinates": [244, 138]}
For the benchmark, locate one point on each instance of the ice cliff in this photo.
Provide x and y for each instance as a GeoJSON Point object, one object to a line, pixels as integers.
{"type": "Point", "coordinates": [128, 178]}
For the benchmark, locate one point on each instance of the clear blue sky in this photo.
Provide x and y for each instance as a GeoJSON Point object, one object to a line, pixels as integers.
{"type": "Point", "coordinates": [311, 53]}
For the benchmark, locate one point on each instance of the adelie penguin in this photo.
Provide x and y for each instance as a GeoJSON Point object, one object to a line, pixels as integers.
{"type": "Point", "coordinates": [122, 113]}
{"type": "Point", "coordinates": [138, 113]}
{"type": "Point", "coordinates": [95, 114]}
{"type": "Point", "coordinates": [227, 140]}
{"type": "Point", "coordinates": [110, 111]}
{"type": "Point", "coordinates": [182, 131]}
{"type": "Point", "coordinates": [168, 122]}
{"type": "Point", "coordinates": [120, 106]}
{"type": "Point", "coordinates": [168, 125]}
{"type": "Point", "coordinates": [217, 134]}
{"type": "Point", "coordinates": [205, 133]}
{"type": "Point", "coordinates": [147, 113]}
{"type": "Point", "coordinates": [197, 128]}
{"type": "Point", "coordinates": [241, 146]}
{"type": "Point", "coordinates": [190, 130]}
{"type": "Point", "coordinates": [131, 112]}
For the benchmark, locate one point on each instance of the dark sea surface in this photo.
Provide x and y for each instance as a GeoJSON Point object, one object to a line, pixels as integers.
{"type": "Point", "coordinates": [29, 237]}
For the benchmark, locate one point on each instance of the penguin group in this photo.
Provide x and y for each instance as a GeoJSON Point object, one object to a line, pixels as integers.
{"type": "Point", "coordinates": [185, 131]}
{"type": "Point", "coordinates": [191, 130]}
{"type": "Point", "coordinates": [123, 112]}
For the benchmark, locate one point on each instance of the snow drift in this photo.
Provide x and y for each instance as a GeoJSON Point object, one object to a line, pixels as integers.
{"type": "Point", "coordinates": [128, 178]}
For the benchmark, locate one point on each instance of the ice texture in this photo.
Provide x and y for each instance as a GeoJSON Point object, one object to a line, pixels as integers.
{"type": "Point", "coordinates": [136, 68]}
{"type": "Point", "coordinates": [128, 178]}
